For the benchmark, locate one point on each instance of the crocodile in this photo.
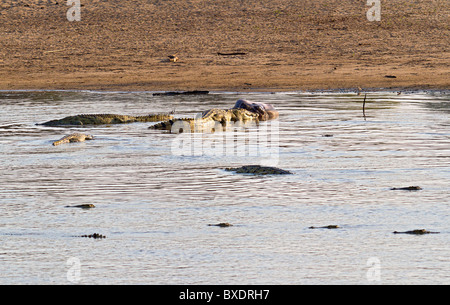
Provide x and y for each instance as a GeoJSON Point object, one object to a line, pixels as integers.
{"type": "Point", "coordinates": [242, 111]}
{"type": "Point", "coordinates": [408, 188]}
{"type": "Point", "coordinates": [207, 120]}
{"type": "Point", "coordinates": [82, 206]}
{"type": "Point", "coordinates": [101, 119]}
{"type": "Point", "coordinates": [326, 227]}
{"type": "Point", "coordinates": [95, 236]}
{"type": "Point", "coordinates": [222, 225]}
{"type": "Point", "coordinates": [74, 137]}
{"type": "Point", "coordinates": [265, 111]}
{"type": "Point", "coordinates": [416, 232]}
{"type": "Point", "coordinates": [259, 170]}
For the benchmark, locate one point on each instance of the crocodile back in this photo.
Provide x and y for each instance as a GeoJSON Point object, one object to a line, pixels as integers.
{"type": "Point", "coordinates": [74, 137]}
{"type": "Point", "coordinates": [105, 118]}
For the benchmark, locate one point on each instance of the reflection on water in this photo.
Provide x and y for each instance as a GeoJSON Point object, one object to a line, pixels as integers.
{"type": "Point", "coordinates": [154, 205]}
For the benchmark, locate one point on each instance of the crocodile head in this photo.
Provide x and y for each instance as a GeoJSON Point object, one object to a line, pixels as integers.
{"type": "Point", "coordinates": [240, 114]}
{"type": "Point", "coordinates": [264, 111]}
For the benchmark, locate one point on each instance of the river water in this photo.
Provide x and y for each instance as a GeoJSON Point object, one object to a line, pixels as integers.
{"type": "Point", "coordinates": [154, 197]}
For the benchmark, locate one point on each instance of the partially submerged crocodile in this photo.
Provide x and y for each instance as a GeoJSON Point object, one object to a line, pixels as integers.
{"type": "Point", "coordinates": [259, 170]}
{"type": "Point", "coordinates": [416, 232]}
{"type": "Point", "coordinates": [74, 137]}
{"type": "Point", "coordinates": [101, 119]}
{"type": "Point", "coordinates": [243, 111]}
{"type": "Point", "coordinates": [82, 206]}
{"type": "Point", "coordinates": [95, 236]}
{"type": "Point", "coordinates": [408, 188]}
{"type": "Point", "coordinates": [326, 227]}
{"type": "Point", "coordinates": [222, 225]}
{"type": "Point", "coordinates": [265, 111]}
{"type": "Point", "coordinates": [209, 120]}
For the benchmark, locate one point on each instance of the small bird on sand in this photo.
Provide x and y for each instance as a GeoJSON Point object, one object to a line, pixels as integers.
{"type": "Point", "coordinates": [173, 58]}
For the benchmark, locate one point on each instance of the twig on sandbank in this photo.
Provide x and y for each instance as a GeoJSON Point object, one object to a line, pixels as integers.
{"type": "Point", "coordinates": [231, 54]}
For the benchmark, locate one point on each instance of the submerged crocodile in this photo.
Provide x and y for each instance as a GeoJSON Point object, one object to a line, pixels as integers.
{"type": "Point", "coordinates": [258, 170]}
{"type": "Point", "coordinates": [74, 137]}
{"type": "Point", "coordinates": [243, 111]}
{"type": "Point", "coordinates": [95, 236]}
{"type": "Point", "coordinates": [408, 188]}
{"type": "Point", "coordinates": [416, 232]}
{"type": "Point", "coordinates": [326, 227]}
{"type": "Point", "coordinates": [101, 119]}
{"type": "Point", "coordinates": [82, 206]}
{"type": "Point", "coordinates": [222, 225]}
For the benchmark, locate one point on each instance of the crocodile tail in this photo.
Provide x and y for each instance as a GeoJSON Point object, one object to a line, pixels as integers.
{"type": "Point", "coordinates": [61, 141]}
{"type": "Point", "coordinates": [181, 124]}
{"type": "Point", "coordinates": [165, 125]}
{"type": "Point", "coordinates": [59, 122]}
{"type": "Point", "coordinates": [65, 139]}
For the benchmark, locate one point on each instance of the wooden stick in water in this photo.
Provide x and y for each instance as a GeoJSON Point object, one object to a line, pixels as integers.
{"type": "Point", "coordinates": [364, 106]}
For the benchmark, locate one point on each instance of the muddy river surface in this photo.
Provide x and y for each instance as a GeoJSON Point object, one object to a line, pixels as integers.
{"type": "Point", "coordinates": [156, 192]}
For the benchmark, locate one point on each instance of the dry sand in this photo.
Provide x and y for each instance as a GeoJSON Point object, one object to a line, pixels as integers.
{"type": "Point", "coordinates": [286, 45]}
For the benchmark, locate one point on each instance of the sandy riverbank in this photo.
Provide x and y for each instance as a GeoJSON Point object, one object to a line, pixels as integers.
{"type": "Point", "coordinates": [284, 45]}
